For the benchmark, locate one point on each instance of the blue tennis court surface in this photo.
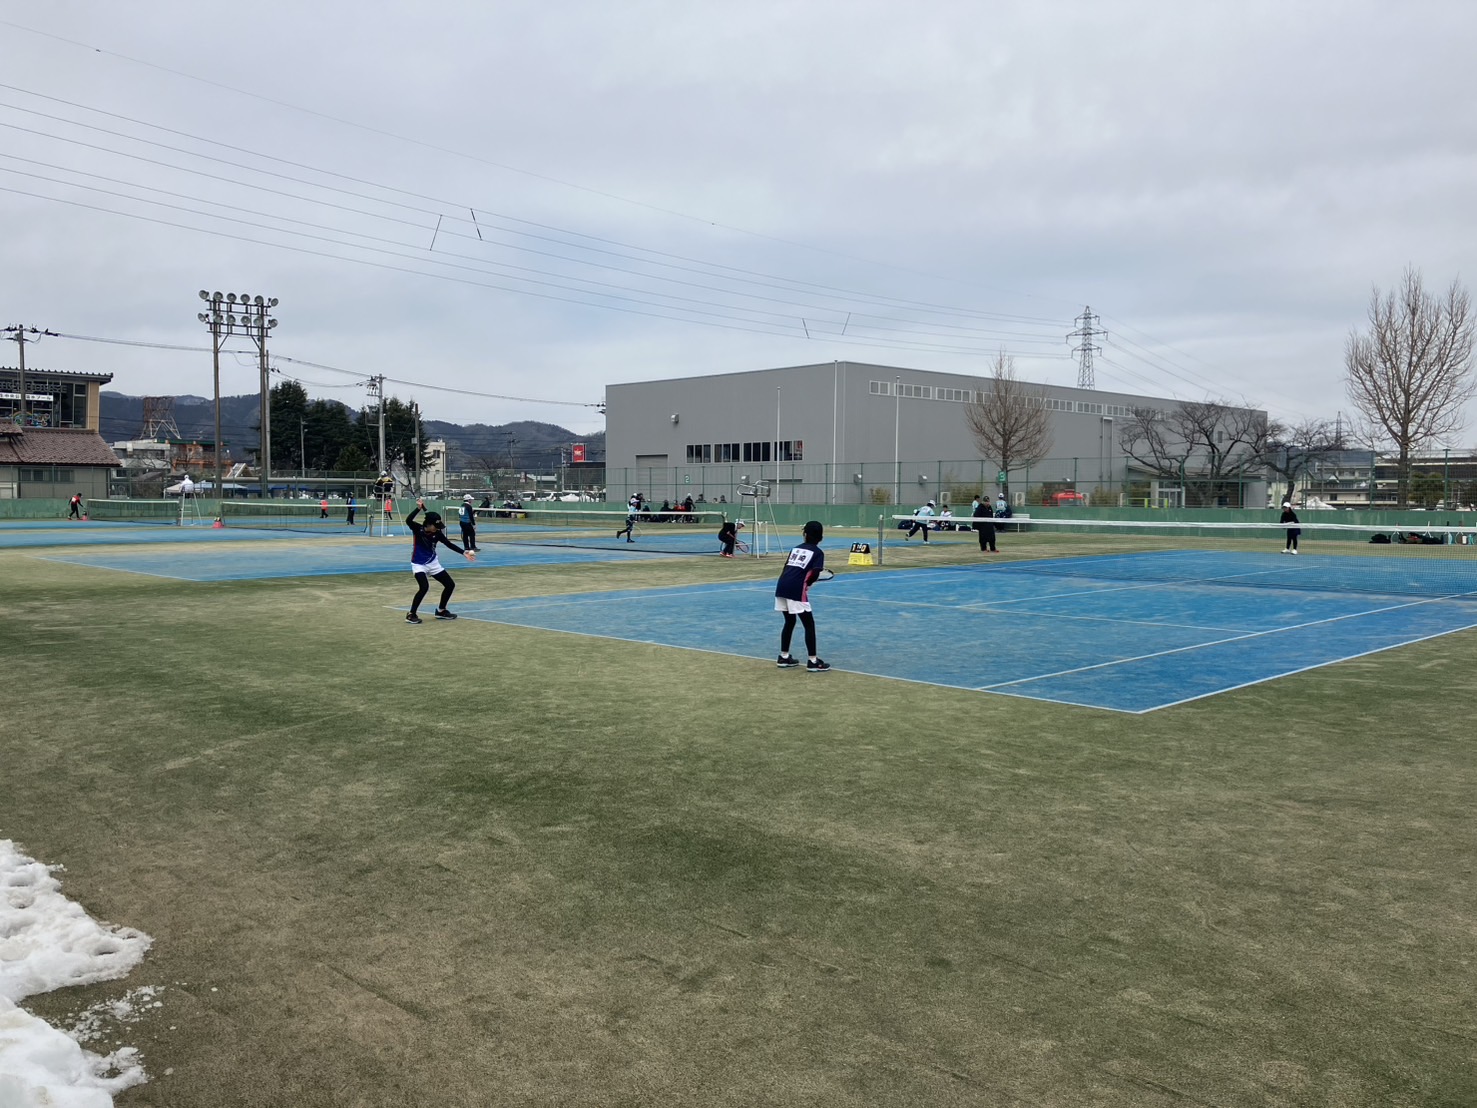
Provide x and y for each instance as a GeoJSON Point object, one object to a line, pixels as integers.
{"type": "Point", "coordinates": [99, 533]}
{"type": "Point", "coordinates": [1046, 631]}
{"type": "Point", "coordinates": [315, 557]}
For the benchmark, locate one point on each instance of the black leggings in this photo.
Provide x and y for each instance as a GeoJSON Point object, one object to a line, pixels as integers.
{"type": "Point", "coordinates": [422, 585]}
{"type": "Point", "coordinates": [807, 621]}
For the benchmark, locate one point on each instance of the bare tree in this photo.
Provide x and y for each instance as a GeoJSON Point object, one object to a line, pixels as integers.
{"type": "Point", "coordinates": [1009, 421]}
{"type": "Point", "coordinates": [1211, 441]}
{"type": "Point", "coordinates": [1410, 374]}
{"type": "Point", "coordinates": [1295, 451]}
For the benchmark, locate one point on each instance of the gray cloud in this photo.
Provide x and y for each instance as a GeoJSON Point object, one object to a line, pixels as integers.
{"type": "Point", "coordinates": [709, 181]}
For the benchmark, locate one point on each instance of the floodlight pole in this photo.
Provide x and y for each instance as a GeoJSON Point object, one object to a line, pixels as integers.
{"type": "Point", "coordinates": [246, 315]}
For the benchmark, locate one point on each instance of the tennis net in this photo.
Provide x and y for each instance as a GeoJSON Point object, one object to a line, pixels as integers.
{"type": "Point", "coordinates": [302, 516]}
{"type": "Point", "coordinates": [1435, 561]}
{"type": "Point", "coordinates": [678, 532]}
{"type": "Point", "coordinates": [134, 511]}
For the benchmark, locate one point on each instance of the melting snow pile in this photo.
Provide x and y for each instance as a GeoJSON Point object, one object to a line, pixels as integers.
{"type": "Point", "coordinates": [48, 942]}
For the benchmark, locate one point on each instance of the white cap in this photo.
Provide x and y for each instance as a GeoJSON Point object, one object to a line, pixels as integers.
{"type": "Point", "coordinates": [930, 503]}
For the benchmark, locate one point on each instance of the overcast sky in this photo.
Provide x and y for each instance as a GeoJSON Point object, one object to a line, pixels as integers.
{"type": "Point", "coordinates": [666, 189]}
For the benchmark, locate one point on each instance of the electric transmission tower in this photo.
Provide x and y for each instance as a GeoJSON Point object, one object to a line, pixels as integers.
{"type": "Point", "coordinates": [1087, 330]}
{"type": "Point", "coordinates": [158, 419]}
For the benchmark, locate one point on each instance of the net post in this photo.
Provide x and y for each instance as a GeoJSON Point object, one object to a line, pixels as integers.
{"type": "Point", "coordinates": [881, 529]}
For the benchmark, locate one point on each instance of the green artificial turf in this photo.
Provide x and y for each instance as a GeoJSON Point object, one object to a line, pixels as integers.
{"type": "Point", "coordinates": [473, 864]}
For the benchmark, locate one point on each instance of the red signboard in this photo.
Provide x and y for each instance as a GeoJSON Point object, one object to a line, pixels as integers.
{"type": "Point", "coordinates": [577, 452]}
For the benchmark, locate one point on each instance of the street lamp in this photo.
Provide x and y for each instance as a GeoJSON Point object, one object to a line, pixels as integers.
{"type": "Point", "coordinates": [241, 314]}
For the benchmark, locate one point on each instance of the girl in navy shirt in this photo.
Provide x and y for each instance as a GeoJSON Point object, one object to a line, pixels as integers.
{"type": "Point", "coordinates": [424, 563]}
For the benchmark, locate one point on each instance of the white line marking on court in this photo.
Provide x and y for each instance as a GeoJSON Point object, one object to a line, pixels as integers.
{"type": "Point", "coordinates": [1239, 638]}
{"type": "Point", "coordinates": [1305, 669]}
{"type": "Point", "coordinates": [119, 569]}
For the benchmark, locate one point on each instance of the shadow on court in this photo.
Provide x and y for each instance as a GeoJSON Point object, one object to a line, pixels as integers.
{"type": "Point", "coordinates": [1009, 628]}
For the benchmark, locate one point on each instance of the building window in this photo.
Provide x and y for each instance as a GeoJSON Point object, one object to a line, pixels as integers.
{"type": "Point", "coordinates": [48, 476]}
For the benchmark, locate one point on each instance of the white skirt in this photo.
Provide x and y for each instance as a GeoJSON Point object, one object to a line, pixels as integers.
{"type": "Point", "coordinates": [430, 569]}
{"type": "Point", "coordinates": [791, 607]}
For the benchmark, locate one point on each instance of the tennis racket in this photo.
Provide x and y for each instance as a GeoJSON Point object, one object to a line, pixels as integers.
{"type": "Point", "coordinates": [825, 575]}
{"type": "Point", "coordinates": [741, 546]}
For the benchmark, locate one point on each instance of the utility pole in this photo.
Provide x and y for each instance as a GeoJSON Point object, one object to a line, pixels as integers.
{"type": "Point", "coordinates": [241, 315]}
{"type": "Point", "coordinates": [415, 416]}
{"type": "Point", "coordinates": [17, 334]}
{"type": "Point", "coordinates": [377, 389]}
{"type": "Point", "coordinates": [1086, 331]}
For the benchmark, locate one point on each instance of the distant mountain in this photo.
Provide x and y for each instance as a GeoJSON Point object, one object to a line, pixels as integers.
{"type": "Point", "coordinates": [535, 447]}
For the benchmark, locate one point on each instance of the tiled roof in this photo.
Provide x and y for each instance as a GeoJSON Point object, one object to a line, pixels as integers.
{"type": "Point", "coordinates": [54, 446]}
{"type": "Point", "coordinates": [33, 372]}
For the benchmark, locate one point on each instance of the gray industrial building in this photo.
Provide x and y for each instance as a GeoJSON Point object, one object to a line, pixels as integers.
{"type": "Point", "coordinates": [851, 433]}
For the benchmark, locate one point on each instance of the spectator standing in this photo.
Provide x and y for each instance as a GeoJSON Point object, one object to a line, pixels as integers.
{"type": "Point", "coordinates": [984, 525]}
{"type": "Point", "coordinates": [467, 517]}
{"type": "Point", "coordinates": [352, 508]}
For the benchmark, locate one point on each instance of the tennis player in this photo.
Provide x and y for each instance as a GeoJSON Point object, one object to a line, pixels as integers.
{"type": "Point", "coordinates": [728, 536]}
{"type": "Point", "coordinates": [1290, 520]}
{"type": "Point", "coordinates": [633, 509]}
{"type": "Point", "coordinates": [792, 598]}
{"type": "Point", "coordinates": [424, 563]}
{"type": "Point", "coordinates": [921, 522]}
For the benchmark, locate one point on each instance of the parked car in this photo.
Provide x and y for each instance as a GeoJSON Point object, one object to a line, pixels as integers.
{"type": "Point", "coordinates": [1066, 498]}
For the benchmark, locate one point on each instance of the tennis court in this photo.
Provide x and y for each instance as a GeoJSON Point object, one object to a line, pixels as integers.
{"type": "Point", "coordinates": [294, 556]}
{"type": "Point", "coordinates": [1129, 633]}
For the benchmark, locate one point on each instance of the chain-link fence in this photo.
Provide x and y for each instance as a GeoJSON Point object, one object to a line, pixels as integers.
{"type": "Point", "coordinates": [1055, 482]}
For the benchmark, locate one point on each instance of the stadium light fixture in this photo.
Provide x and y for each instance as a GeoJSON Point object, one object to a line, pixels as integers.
{"type": "Point", "coordinates": [247, 316]}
